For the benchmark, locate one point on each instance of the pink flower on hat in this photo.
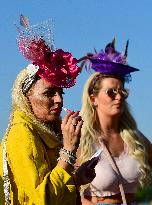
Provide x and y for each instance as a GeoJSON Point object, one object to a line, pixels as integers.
{"type": "Point", "coordinates": [59, 69]}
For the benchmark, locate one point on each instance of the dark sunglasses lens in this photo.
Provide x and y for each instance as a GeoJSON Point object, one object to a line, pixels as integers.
{"type": "Point", "coordinates": [111, 93]}
{"type": "Point", "coordinates": [124, 93]}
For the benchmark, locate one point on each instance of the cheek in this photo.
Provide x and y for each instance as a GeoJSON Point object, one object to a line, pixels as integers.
{"type": "Point", "coordinates": [37, 102]}
{"type": "Point", "coordinates": [104, 105]}
{"type": "Point", "coordinates": [41, 104]}
{"type": "Point", "coordinates": [103, 102]}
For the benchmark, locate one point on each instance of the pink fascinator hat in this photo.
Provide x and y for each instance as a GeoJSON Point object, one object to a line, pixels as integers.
{"type": "Point", "coordinates": [56, 66]}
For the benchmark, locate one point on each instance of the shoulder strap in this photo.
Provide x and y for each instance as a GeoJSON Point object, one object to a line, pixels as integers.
{"type": "Point", "coordinates": [115, 167]}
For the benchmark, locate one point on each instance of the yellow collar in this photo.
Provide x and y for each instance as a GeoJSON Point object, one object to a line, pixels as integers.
{"type": "Point", "coordinates": [48, 138]}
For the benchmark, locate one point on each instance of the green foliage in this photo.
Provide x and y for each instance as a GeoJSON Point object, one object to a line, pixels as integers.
{"type": "Point", "coordinates": [144, 194]}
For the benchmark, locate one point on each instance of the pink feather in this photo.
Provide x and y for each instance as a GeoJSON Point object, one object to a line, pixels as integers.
{"type": "Point", "coordinates": [24, 21]}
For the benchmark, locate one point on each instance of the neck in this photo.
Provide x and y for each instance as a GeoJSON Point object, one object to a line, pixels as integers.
{"type": "Point", "coordinates": [109, 125]}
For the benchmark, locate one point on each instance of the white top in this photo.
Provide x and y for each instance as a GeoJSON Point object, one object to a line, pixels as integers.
{"type": "Point", "coordinates": [106, 182]}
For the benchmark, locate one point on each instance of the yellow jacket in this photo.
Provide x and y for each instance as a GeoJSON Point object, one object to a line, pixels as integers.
{"type": "Point", "coordinates": [32, 158]}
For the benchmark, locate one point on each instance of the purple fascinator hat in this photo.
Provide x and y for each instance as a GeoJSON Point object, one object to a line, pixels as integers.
{"type": "Point", "coordinates": [109, 62]}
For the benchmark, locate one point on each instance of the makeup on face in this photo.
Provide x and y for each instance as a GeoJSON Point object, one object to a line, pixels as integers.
{"type": "Point", "coordinates": [52, 91]}
{"type": "Point", "coordinates": [46, 100]}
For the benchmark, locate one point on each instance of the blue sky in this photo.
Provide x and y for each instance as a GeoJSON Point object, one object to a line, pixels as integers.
{"type": "Point", "coordinates": [79, 27]}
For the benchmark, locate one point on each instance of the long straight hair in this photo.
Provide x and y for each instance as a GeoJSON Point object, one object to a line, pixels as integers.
{"type": "Point", "coordinates": [128, 129]}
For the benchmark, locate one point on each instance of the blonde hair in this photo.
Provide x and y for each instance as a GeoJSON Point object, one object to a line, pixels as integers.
{"type": "Point", "coordinates": [128, 129]}
{"type": "Point", "coordinates": [21, 103]}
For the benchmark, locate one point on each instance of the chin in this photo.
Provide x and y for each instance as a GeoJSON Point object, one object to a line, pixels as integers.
{"type": "Point", "coordinates": [117, 112]}
{"type": "Point", "coordinates": [51, 118]}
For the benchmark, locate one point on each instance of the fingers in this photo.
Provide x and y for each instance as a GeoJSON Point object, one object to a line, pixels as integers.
{"type": "Point", "coordinates": [78, 126]}
{"type": "Point", "coordinates": [75, 118]}
{"type": "Point", "coordinates": [71, 120]}
{"type": "Point", "coordinates": [71, 127]}
{"type": "Point", "coordinates": [69, 117]}
{"type": "Point", "coordinates": [66, 118]}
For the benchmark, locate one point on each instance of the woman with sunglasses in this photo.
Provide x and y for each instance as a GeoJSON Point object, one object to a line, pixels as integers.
{"type": "Point", "coordinates": [38, 151]}
{"type": "Point", "coordinates": [110, 132]}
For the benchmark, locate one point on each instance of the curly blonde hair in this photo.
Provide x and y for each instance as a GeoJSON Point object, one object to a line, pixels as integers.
{"type": "Point", "coordinates": [128, 129]}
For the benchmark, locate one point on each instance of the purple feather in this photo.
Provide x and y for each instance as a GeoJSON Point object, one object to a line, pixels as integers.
{"type": "Point", "coordinates": [110, 62]}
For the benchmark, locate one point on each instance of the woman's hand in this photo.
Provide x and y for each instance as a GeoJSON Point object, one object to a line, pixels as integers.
{"type": "Point", "coordinates": [86, 172]}
{"type": "Point", "coordinates": [71, 128]}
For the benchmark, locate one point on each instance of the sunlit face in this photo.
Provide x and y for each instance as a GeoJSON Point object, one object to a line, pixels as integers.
{"type": "Point", "coordinates": [46, 101]}
{"type": "Point", "coordinates": [105, 104]}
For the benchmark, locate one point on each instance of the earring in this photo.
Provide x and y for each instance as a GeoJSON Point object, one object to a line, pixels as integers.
{"type": "Point", "coordinates": [94, 105]}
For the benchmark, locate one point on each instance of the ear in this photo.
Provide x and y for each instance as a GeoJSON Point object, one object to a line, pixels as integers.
{"type": "Point", "coordinates": [93, 100]}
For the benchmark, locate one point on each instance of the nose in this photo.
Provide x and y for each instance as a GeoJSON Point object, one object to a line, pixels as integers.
{"type": "Point", "coordinates": [118, 96]}
{"type": "Point", "coordinates": [58, 98]}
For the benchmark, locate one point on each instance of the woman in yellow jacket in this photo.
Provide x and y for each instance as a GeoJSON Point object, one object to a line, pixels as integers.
{"type": "Point", "coordinates": [38, 152]}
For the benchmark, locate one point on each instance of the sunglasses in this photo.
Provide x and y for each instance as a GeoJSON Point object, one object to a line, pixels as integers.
{"type": "Point", "coordinates": [112, 92]}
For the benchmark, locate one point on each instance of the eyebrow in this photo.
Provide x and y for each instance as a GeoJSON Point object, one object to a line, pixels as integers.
{"type": "Point", "coordinates": [53, 88]}
{"type": "Point", "coordinates": [114, 87]}
{"type": "Point", "coordinates": [50, 87]}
